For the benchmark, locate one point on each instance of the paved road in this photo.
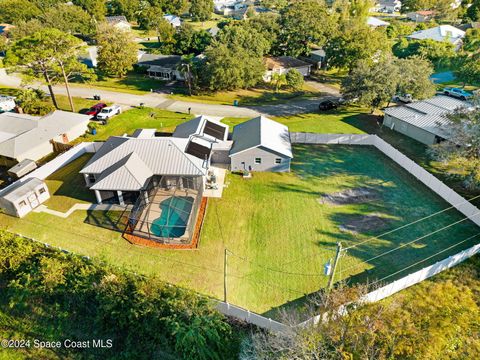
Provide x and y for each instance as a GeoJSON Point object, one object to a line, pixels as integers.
{"type": "Point", "coordinates": [163, 102]}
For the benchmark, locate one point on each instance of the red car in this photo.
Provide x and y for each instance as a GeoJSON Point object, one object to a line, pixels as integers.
{"type": "Point", "coordinates": [95, 109]}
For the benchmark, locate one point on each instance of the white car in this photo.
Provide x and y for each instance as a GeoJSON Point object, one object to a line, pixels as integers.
{"type": "Point", "coordinates": [405, 98]}
{"type": "Point", "coordinates": [108, 112]}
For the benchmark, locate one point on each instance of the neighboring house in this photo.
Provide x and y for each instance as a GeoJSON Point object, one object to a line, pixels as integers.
{"type": "Point", "coordinates": [90, 56]}
{"type": "Point", "coordinates": [374, 22]}
{"type": "Point", "coordinates": [317, 58]}
{"type": "Point", "coordinates": [388, 6]}
{"type": "Point", "coordinates": [119, 22]}
{"type": "Point", "coordinates": [30, 137]}
{"type": "Point", "coordinates": [421, 16]}
{"type": "Point", "coordinates": [162, 67]}
{"type": "Point", "coordinates": [261, 144]}
{"type": "Point", "coordinates": [5, 29]}
{"type": "Point", "coordinates": [441, 33]}
{"type": "Point", "coordinates": [213, 31]}
{"type": "Point", "coordinates": [424, 121]}
{"type": "Point", "coordinates": [20, 198]}
{"type": "Point", "coordinates": [173, 20]}
{"type": "Point", "coordinates": [283, 64]}
{"type": "Point", "coordinates": [202, 126]}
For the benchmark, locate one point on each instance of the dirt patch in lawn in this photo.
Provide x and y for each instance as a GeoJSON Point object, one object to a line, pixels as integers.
{"type": "Point", "coordinates": [364, 223]}
{"type": "Point", "coordinates": [351, 196]}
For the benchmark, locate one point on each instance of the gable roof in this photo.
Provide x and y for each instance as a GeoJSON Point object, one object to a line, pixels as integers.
{"type": "Point", "coordinates": [263, 132]}
{"type": "Point", "coordinates": [174, 20]}
{"type": "Point", "coordinates": [439, 33]}
{"type": "Point", "coordinates": [162, 156]}
{"type": "Point", "coordinates": [128, 174]}
{"type": "Point", "coordinates": [19, 189]}
{"type": "Point", "coordinates": [429, 115]}
{"type": "Point", "coordinates": [166, 61]}
{"type": "Point", "coordinates": [20, 132]}
{"type": "Point", "coordinates": [202, 126]}
{"type": "Point", "coordinates": [376, 22]}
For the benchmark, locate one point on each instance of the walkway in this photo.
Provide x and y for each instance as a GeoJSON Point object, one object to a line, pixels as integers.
{"type": "Point", "coordinates": [84, 207]}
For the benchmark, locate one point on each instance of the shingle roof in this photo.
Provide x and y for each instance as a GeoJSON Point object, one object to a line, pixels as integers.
{"type": "Point", "coordinates": [439, 33]}
{"type": "Point", "coordinates": [20, 133]}
{"type": "Point", "coordinates": [166, 61]}
{"type": "Point", "coordinates": [161, 156]}
{"type": "Point", "coordinates": [284, 62]}
{"type": "Point", "coordinates": [429, 115]}
{"type": "Point", "coordinates": [116, 19]}
{"type": "Point", "coordinates": [263, 132]}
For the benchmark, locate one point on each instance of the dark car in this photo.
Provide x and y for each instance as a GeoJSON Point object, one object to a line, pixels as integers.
{"type": "Point", "coordinates": [95, 109]}
{"type": "Point", "coordinates": [326, 105]}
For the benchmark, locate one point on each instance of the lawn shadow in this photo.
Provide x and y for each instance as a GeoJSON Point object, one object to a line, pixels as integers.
{"type": "Point", "coordinates": [110, 220]}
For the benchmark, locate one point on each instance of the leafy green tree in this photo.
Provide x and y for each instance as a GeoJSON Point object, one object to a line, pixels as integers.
{"type": "Point", "coordinates": [13, 11]}
{"type": "Point", "coordinates": [128, 8]}
{"type": "Point", "coordinates": [437, 52]}
{"type": "Point", "coordinates": [304, 23]}
{"type": "Point", "coordinates": [230, 67]}
{"type": "Point", "coordinates": [201, 10]}
{"type": "Point", "coordinates": [414, 78]}
{"type": "Point", "coordinates": [471, 41]}
{"type": "Point", "coordinates": [3, 44]}
{"type": "Point", "coordinates": [249, 39]}
{"type": "Point", "coordinates": [96, 8]}
{"type": "Point", "coordinates": [117, 51]}
{"type": "Point", "coordinates": [278, 80]}
{"type": "Point", "coordinates": [186, 68]}
{"type": "Point", "coordinates": [190, 41]}
{"type": "Point", "coordinates": [26, 28]}
{"type": "Point", "coordinates": [274, 4]}
{"type": "Point", "coordinates": [468, 71]}
{"type": "Point", "coordinates": [68, 18]}
{"type": "Point", "coordinates": [268, 26]}
{"type": "Point", "coordinates": [32, 102]}
{"type": "Point", "coordinates": [473, 12]}
{"type": "Point", "coordinates": [295, 79]}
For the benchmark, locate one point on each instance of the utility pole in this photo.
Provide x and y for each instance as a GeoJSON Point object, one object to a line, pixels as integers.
{"type": "Point", "coordinates": [225, 259]}
{"type": "Point", "coordinates": [335, 263]}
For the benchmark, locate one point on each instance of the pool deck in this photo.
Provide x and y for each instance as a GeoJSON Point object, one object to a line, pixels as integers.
{"type": "Point", "coordinates": [220, 184]}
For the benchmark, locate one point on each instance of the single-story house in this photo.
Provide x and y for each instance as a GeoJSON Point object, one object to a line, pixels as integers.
{"type": "Point", "coordinates": [374, 22]}
{"type": "Point", "coordinates": [440, 33]}
{"type": "Point", "coordinates": [283, 64]}
{"type": "Point", "coordinates": [119, 22]}
{"type": "Point", "coordinates": [30, 137]}
{"type": "Point", "coordinates": [173, 20]}
{"type": "Point", "coordinates": [424, 121]}
{"type": "Point", "coordinates": [421, 16]}
{"type": "Point", "coordinates": [20, 198]}
{"type": "Point", "coordinates": [161, 67]}
{"type": "Point", "coordinates": [22, 168]}
{"type": "Point", "coordinates": [261, 144]}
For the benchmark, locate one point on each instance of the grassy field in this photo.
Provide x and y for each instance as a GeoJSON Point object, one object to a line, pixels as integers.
{"type": "Point", "coordinates": [279, 234]}
{"type": "Point", "coordinates": [129, 121]}
{"type": "Point", "coordinates": [249, 97]}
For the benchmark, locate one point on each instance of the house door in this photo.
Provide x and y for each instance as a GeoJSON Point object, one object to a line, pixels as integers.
{"type": "Point", "coordinates": [32, 199]}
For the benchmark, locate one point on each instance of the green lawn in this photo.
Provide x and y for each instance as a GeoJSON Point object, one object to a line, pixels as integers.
{"type": "Point", "coordinates": [280, 233]}
{"type": "Point", "coordinates": [248, 97]}
{"type": "Point", "coordinates": [67, 187]}
{"type": "Point", "coordinates": [129, 121]}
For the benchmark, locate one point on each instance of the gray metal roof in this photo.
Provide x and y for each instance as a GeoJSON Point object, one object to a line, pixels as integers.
{"type": "Point", "coordinates": [439, 33]}
{"type": "Point", "coordinates": [264, 132]}
{"type": "Point", "coordinates": [165, 61]}
{"type": "Point", "coordinates": [161, 156]}
{"type": "Point", "coordinates": [128, 174]}
{"type": "Point", "coordinates": [20, 189]}
{"type": "Point", "coordinates": [430, 114]}
{"type": "Point", "coordinates": [20, 133]}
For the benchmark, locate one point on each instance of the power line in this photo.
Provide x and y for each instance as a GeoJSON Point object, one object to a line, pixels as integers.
{"type": "Point", "coordinates": [411, 242]}
{"type": "Point", "coordinates": [425, 259]}
{"type": "Point", "coordinates": [411, 223]}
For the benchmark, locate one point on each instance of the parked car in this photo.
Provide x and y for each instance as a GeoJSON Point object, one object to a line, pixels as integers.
{"type": "Point", "coordinates": [405, 98]}
{"type": "Point", "coordinates": [95, 109]}
{"type": "Point", "coordinates": [458, 93]}
{"type": "Point", "coordinates": [109, 111]}
{"type": "Point", "coordinates": [328, 104]}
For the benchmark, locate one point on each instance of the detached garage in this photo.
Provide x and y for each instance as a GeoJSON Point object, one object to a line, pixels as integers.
{"type": "Point", "coordinates": [261, 144]}
{"type": "Point", "coordinates": [424, 121]}
{"type": "Point", "coordinates": [22, 197]}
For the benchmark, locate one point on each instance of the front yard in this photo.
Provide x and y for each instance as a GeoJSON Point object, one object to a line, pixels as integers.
{"type": "Point", "coordinates": [279, 230]}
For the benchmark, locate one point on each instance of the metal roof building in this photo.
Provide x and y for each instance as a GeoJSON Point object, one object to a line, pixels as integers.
{"type": "Point", "coordinates": [261, 144]}
{"type": "Point", "coordinates": [424, 121]}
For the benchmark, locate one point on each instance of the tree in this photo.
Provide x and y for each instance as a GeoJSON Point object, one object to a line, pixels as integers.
{"type": "Point", "coordinates": [462, 149]}
{"type": "Point", "coordinates": [186, 68]}
{"type": "Point", "coordinates": [415, 78]}
{"type": "Point", "coordinates": [471, 41]}
{"type": "Point", "coordinates": [32, 102]}
{"type": "Point", "coordinates": [201, 10]}
{"type": "Point", "coordinates": [96, 8]}
{"type": "Point", "coordinates": [231, 67]}
{"type": "Point", "coordinates": [3, 44]}
{"type": "Point", "coordinates": [68, 18]}
{"type": "Point", "coordinates": [26, 28]}
{"type": "Point", "coordinates": [13, 11]}
{"type": "Point", "coordinates": [128, 8]}
{"type": "Point", "coordinates": [249, 39]}
{"type": "Point", "coordinates": [473, 12]}
{"type": "Point", "coordinates": [438, 52]}
{"type": "Point", "coordinates": [295, 79]}
{"type": "Point", "coordinates": [278, 80]}
{"type": "Point", "coordinates": [469, 70]}
{"type": "Point", "coordinates": [268, 26]}
{"type": "Point", "coordinates": [188, 41]}
{"type": "Point", "coordinates": [304, 23]}
{"type": "Point", "coordinates": [117, 51]}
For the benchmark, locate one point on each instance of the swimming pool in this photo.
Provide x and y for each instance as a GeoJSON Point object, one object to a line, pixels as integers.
{"type": "Point", "coordinates": [173, 220]}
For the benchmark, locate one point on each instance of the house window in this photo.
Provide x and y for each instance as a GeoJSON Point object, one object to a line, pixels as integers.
{"type": "Point", "coordinates": [258, 160]}
{"type": "Point", "coordinates": [91, 178]}
{"type": "Point", "coordinates": [22, 203]}
{"type": "Point", "coordinates": [41, 191]}
{"type": "Point", "coordinates": [278, 160]}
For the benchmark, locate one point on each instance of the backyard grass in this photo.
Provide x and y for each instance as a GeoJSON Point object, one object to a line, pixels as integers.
{"type": "Point", "coordinates": [277, 231]}
{"type": "Point", "coordinates": [249, 97]}
{"type": "Point", "coordinates": [139, 118]}
{"type": "Point", "coordinates": [67, 187]}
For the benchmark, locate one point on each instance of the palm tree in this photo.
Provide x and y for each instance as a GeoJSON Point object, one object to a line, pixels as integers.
{"type": "Point", "coordinates": [185, 67]}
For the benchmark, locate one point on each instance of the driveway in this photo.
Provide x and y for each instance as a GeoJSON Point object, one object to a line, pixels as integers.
{"type": "Point", "coordinates": [162, 102]}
